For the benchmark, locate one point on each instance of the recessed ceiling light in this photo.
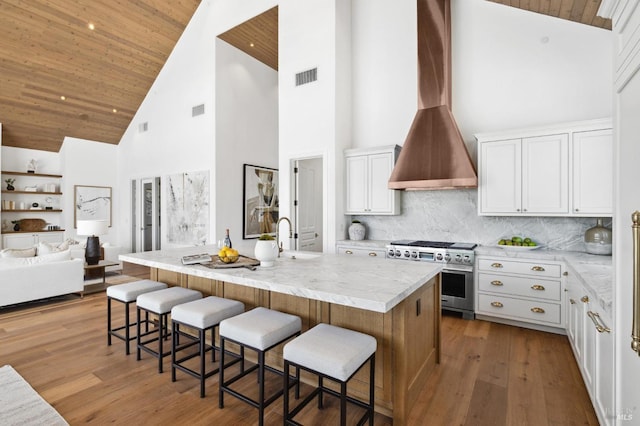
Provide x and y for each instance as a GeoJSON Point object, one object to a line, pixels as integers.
{"type": "Point", "coordinates": [251, 44]}
{"type": "Point", "coordinates": [91, 26]}
{"type": "Point", "coordinates": [114, 110]}
{"type": "Point", "coordinates": [63, 97]}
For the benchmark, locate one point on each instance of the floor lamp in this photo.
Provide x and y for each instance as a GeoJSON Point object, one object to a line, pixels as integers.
{"type": "Point", "coordinates": [92, 228]}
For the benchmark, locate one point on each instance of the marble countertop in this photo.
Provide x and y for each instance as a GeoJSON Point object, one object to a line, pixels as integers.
{"type": "Point", "coordinates": [360, 282]}
{"type": "Point", "coordinates": [363, 243]}
{"type": "Point", "coordinates": [595, 272]}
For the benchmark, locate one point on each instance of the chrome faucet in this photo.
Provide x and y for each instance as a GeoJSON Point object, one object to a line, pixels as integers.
{"type": "Point", "coordinates": [278, 243]}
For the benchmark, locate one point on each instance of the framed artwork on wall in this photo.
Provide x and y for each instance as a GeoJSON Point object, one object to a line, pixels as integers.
{"type": "Point", "coordinates": [260, 201]}
{"type": "Point", "coordinates": [91, 203]}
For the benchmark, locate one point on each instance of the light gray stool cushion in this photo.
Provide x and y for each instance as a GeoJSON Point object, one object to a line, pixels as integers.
{"type": "Point", "coordinates": [330, 350]}
{"type": "Point", "coordinates": [161, 301]}
{"type": "Point", "coordinates": [260, 328]}
{"type": "Point", "coordinates": [130, 291]}
{"type": "Point", "coordinates": [207, 312]}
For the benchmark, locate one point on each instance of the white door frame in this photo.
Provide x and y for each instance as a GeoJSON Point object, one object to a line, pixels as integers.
{"type": "Point", "coordinates": [294, 190]}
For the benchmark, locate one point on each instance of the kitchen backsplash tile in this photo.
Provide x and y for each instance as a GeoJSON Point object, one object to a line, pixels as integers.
{"type": "Point", "coordinates": [452, 215]}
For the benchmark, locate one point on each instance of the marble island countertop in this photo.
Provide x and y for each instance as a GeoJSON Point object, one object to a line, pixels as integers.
{"type": "Point", "coordinates": [594, 271]}
{"type": "Point", "coordinates": [361, 282]}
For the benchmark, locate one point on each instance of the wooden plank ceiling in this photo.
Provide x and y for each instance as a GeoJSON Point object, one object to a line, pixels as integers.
{"type": "Point", "coordinates": [582, 11]}
{"type": "Point", "coordinates": [257, 37]}
{"type": "Point", "coordinates": [48, 51]}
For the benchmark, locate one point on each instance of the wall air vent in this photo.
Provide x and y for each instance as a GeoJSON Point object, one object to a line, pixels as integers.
{"type": "Point", "coordinates": [143, 127]}
{"type": "Point", "coordinates": [197, 110]}
{"type": "Point", "coordinates": [305, 77]}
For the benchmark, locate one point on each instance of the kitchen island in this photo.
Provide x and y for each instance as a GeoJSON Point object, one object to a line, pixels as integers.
{"type": "Point", "coordinates": [396, 302]}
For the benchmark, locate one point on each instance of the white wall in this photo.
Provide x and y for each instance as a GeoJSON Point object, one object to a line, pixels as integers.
{"type": "Point", "coordinates": [176, 142]}
{"type": "Point", "coordinates": [90, 163]}
{"type": "Point", "coordinates": [80, 162]}
{"type": "Point", "coordinates": [503, 77]}
{"type": "Point", "coordinates": [246, 130]}
{"type": "Point", "coordinates": [315, 33]}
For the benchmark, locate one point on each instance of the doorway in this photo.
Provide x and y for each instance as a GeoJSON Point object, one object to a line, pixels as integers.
{"type": "Point", "coordinates": [308, 204]}
{"type": "Point", "coordinates": [145, 214]}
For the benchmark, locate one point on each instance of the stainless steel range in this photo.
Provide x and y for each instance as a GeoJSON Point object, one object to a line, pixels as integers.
{"type": "Point", "coordinates": [457, 275]}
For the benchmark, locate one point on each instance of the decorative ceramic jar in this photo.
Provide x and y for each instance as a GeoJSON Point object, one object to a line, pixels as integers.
{"type": "Point", "coordinates": [356, 231]}
{"type": "Point", "coordinates": [597, 240]}
{"type": "Point", "coordinates": [266, 252]}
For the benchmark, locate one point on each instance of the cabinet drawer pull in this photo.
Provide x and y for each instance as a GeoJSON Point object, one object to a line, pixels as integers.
{"type": "Point", "coordinates": [597, 321]}
{"type": "Point", "coordinates": [537, 268]}
{"type": "Point", "coordinates": [537, 310]}
{"type": "Point", "coordinates": [538, 287]}
{"type": "Point", "coordinates": [373, 254]}
{"type": "Point", "coordinates": [573, 302]}
{"type": "Point", "coordinates": [584, 299]}
{"type": "Point", "coordinates": [497, 304]}
{"type": "Point", "coordinates": [348, 252]}
{"type": "Point", "coordinates": [497, 283]}
{"type": "Point", "coordinates": [496, 265]}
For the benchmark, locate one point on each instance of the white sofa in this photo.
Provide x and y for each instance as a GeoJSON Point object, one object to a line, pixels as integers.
{"type": "Point", "coordinates": [24, 279]}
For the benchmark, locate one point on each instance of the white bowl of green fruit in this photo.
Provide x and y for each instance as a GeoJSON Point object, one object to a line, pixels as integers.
{"type": "Point", "coordinates": [518, 243]}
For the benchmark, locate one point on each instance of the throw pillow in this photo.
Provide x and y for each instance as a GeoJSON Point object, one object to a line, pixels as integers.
{"type": "Point", "coordinates": [46, 258]}
{"type": "Point", "coordinates": [29, 252]}
{"type": "Point", "coordinates": [48, 248]}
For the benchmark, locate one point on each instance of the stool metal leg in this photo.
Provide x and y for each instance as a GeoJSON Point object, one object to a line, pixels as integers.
{"type": "Point", "coordinates": [126, 325]}
{"type": "Point", "coordinates": [343, 403]}
{"type": "Point", "coordinates": [202, 334]}
{"type": "Point", "coordinates": [174, 345]}
{"type": "Point", "coordinates": [221, 373]}
{"type": "Point", "coordinates": [372, 388]}
{"type": "Point", "coordinates": [138, 340]}
{"type": "Point", "coordinates": [108, 321]}
{"type": "Point", "coordinates": [261, 390]}
{"type": "Point", "coordinates": [320, 395]}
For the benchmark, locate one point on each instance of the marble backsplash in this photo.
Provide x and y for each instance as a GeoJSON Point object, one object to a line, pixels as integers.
{"type": "Point", "coordinates": [452, 215]}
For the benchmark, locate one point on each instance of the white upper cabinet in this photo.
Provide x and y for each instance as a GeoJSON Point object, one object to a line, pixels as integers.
{"type": "Point", "coordinates": [564, 170]}
{"type": "Point", "coordinates": [367, 172]}
{"type": "Point", "coordinates": [593, 172]}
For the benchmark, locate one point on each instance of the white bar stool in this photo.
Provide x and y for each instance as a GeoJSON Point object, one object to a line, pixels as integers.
{"type": "Point", "coordinates": [127, 294]}
{"type": "Point", "coordinates": [203, 315]}
{"type": "Point", "coordinates": [160, 303]}
{"type": "Point", "coordinates": [334, 353]}
{"type": "Point", "coordinates": [259, 329]}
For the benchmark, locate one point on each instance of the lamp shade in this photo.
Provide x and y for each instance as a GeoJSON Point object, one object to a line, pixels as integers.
{"type": "Point", "coordinates": [92, 227]}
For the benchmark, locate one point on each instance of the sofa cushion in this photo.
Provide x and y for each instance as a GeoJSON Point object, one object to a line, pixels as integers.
{"type": "Point", "coordinates": [8, 252]}
{"type": "Point", "coordinates": [47, 258]}
{"type": "Point", "coordinates": [48, 248]}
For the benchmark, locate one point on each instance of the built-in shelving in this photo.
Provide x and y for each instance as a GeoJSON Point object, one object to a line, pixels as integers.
{"type": "Point", "coordinates": [32, 211]}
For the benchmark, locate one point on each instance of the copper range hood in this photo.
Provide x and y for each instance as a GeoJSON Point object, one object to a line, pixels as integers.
{"type": "Point", "coordinates": [434, 155]}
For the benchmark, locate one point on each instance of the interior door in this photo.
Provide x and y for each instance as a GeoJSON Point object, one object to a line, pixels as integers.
{"type": "Point", "coordinates": [309, 204]}
{"type": "Point", "coordinates": [146, 223]}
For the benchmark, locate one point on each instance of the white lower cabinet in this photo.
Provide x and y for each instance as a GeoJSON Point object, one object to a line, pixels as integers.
{"type": "Point", "coordinates": [350, 250]}
{"type": "Point", "coordinates": [523, 291]}
{"type": "Point", "coordinates": [27, 239]}
{"type": "Point", "coordinates": [588, 329]}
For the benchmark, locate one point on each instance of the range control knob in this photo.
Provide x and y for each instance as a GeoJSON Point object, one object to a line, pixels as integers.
{"type": "Point", "coordinates": [398, 254]}
{"type": "Point", "coordinates": [467, 259]}
{"type": "Point", "coordinates": [414, 255]}
{"type": "Point", "coordinates": [439, 256]}
{"type": "Point", "coordinates": [458, 258]}
{"type": "Point", "coordinates": [392, 252]}
{"type": "Point", "coordinates": [406, 253]}
{"type": "Point", "coordinates": [447, 257]}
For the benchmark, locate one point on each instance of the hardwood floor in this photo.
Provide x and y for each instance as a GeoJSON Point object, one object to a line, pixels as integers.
{"type": "Point", "coordinates": [490, 374]}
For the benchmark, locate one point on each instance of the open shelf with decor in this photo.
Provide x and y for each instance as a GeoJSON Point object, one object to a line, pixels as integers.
{"type": "Point", "coordinates": [25, 196]}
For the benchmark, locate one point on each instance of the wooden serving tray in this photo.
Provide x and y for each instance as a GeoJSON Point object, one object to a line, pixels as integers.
{"type": "Point", "coordinates": [243, 262]}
